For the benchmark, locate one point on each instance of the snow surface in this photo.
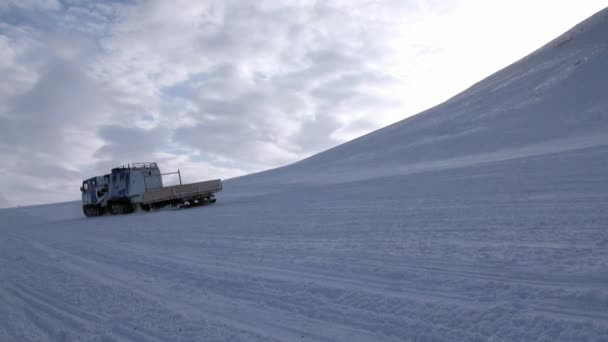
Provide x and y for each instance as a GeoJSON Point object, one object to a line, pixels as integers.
{"type": "Point", "coordinates": [482, 219]}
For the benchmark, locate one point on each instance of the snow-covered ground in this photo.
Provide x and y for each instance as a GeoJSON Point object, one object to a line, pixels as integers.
{"type": "Point", "coordinates": [483, 219]}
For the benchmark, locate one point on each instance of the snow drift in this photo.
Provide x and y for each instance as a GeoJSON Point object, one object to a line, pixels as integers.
{"type": "Point", "coordinates": [481, 219]}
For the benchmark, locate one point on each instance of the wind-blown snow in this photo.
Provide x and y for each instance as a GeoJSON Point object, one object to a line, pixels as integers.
{"type": "Point", "coordinates": [484, 218]}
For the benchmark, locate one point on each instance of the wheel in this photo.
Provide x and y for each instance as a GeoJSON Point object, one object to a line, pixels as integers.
{"type": "Point", "coordinates": [117, 208]}
{"type": "Point", "coordinates": [128, 208]}
{"type": "Point", "coordinates": [91, 211]}
{"type": "Point", "coordinates": [197, 202]}
{"type": "Point", "coordinates": [112, 208]}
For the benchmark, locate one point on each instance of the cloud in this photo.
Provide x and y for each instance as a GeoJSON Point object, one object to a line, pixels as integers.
{"type": "Point", "coordinates": [222, 88]}
{"type": "Point", "coordinates": [31, 4]}
{"type": "Point", "coordinates": [4, 203]}
{"type": "Point", "coordinates": [122, 143]}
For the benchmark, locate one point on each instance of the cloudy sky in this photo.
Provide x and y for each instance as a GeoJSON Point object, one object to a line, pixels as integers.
{"type": "Point", "coordinates": [225, 88]}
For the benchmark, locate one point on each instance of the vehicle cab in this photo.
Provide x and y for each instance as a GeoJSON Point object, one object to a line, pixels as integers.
{"type": "Point", "coordinates": [95, 190]}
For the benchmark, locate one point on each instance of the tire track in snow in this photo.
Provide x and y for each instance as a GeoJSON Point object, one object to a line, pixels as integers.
{"type": "Point", "coordinates": [255, 320]}
{"type": "Point", "coordinates": [562, 312]}
{"type": "Point", "coordinates": [50, 315]}
{"type": "Point", "coordinates": [12, 312]}
{"type": "Point", "coordinates": [376, 285]}
{"type": "Point", "coordinates": [175, 265]}
{"type": "Point", "coordinates": [342, 314]}
{"type": "Point", "coordinates": [337, 280]}
{"type": "Point", "coordinates": [473, 272]}
{"type": "Point", "coordinates": [59, 320]}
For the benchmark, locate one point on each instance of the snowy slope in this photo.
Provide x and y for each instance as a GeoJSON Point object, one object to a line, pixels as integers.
{"type": "Point", "coordinates": [553, 100]}
{"type": "Point", "coordinates": [482, 219]}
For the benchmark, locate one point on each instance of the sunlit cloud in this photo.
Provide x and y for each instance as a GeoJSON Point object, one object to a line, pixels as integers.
{"type": "Point", "coordinates": [225, 88]}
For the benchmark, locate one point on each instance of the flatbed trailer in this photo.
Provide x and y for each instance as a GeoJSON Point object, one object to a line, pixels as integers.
{"type": "Point", "coordinates": [183, 194]}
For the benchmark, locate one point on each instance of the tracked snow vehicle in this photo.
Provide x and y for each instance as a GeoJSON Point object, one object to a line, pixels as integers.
{"type": "Point", "coordinates": [141, 185]}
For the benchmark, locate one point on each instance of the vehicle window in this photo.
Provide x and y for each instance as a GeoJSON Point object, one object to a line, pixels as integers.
{"type": "Point", "coordinates": [85, 186]}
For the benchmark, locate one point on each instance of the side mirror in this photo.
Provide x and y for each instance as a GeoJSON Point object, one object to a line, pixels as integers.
{"type": "Point", "coordinates": [81, 189]}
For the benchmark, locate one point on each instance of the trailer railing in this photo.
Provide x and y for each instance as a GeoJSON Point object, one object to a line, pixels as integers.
{"type": "Point", "coordinates": [179, 176]}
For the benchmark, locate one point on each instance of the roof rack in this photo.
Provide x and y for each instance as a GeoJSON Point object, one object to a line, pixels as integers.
{"type": "Point", "coordinates": [136, 166]}
{"type": "Point", "coordinates": [139, 165]}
